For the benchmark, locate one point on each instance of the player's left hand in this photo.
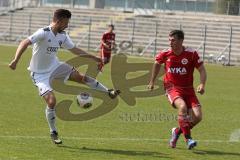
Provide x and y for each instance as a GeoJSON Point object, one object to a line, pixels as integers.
{"type": "Point", "coordinates": [200, 89]}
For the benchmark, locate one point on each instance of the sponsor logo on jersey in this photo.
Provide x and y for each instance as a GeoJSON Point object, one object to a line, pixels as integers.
{"type": "Point", "coordinates": [177, 70]}
{"type": "Point", "coordinates": [52, 49]}
{"type": "Point", "coordinates": [184, 61]}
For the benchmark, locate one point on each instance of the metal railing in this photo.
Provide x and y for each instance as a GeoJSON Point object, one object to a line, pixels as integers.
{"type": "Point", "coordinates": [203, 43]}
{"type": "Point", "coordinates": [222, 56]}
{"type": "Point", "coordinates": [145, 35]}
{"type": "Point", "coordinates": [197, 6]}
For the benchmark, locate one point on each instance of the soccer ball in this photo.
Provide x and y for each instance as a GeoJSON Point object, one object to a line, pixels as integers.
{"type": "Point", "coordinates": [84, 100]}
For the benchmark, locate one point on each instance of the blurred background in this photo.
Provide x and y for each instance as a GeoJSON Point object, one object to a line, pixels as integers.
{"type": "Point", "coordinates": [212, 27]}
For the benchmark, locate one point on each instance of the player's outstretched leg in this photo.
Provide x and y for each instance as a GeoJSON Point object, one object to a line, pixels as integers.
{"type": "Point", "coordinates": [93, 84]}
{"type": "Point", "coordinates": [51, 116]}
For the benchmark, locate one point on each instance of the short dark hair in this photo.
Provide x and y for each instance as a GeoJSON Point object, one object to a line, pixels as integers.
{"type": "Point", "coordinates": [111, 25]}
{"type": "Point", "coordinates": [61, 13]}
{"type": "Point", "coordinates": [179, 34]}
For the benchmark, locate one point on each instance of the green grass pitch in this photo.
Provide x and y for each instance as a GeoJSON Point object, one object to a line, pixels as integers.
{"type": "Point", "coordinates": [24, 134]}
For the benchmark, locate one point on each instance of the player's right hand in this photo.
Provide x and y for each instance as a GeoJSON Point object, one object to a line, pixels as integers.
{"type": "Point", "coordinates": [151, 85]}
{"type": "Point", "coordinates": [200, 89]}
{"type": "Point", "coordinates": [13, 64]}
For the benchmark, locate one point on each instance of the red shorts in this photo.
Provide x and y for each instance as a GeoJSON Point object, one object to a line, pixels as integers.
{"type": "Point", "coordinates": [105, 54]}
{"type": "Point", "coordinates": [187, 94]}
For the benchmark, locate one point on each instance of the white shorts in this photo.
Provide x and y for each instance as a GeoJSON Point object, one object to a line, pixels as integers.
{"type": "Point", "coordinates": [43, 80]}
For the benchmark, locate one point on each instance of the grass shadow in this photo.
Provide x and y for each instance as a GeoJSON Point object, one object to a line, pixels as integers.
{"type": "Point", "coordinates": [119, 152]}
{"type": "Point", "coordinates": [215, 153]}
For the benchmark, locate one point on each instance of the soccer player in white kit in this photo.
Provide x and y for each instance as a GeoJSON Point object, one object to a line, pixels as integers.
{"type": "Point", "coordinates": [44, 64]}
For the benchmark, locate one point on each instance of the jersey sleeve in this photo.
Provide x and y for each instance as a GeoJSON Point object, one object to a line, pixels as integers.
{"type": "Point", "coordinates": [68, 43]}
{"type": "Point", "coordinates": [197, 62]}
{"type": "Point", "coordinates": [37, 36]}
{"type": "Point", "coordinates": [160, 58]}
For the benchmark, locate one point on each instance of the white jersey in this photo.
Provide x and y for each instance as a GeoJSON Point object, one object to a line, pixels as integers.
{"type": "Point", "coordinates": [45, 48]}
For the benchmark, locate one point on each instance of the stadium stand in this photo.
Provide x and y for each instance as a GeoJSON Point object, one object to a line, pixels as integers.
{"type": "Point", "coordinates": [16, 25]}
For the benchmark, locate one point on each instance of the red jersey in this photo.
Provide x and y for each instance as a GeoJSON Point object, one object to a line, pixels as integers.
{"type": "Point", "coordinates": [179, 68]}
{"type": "Point", "coordinates": [109, 39]}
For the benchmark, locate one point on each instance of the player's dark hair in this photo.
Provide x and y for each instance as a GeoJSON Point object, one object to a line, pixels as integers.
{"type": "Point", "coordinates": [61, 14]}
{"type": "Point", "coordinates": [111, 25]}
{"type": "Point", "coordinates": [178, 33]}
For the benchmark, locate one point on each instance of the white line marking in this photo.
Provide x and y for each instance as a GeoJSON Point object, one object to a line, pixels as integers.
{"type": "Point", "coordinates": [235, 136]}
{"type": "Point", "coordinates": [107, 139]}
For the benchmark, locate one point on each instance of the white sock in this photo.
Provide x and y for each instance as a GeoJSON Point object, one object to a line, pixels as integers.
{"type": "Point", "coordinates": [94, 84]}
{"type": "Point", "coordinates": [51, 116]}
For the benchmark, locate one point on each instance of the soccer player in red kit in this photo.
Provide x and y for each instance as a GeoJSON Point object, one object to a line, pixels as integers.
{"type": "Point", "coordinates": [179, 63]}
{"type": "Point", "coordinates": [107, 44]}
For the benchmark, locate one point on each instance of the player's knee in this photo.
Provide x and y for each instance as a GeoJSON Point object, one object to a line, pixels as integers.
{"type": "Point", "coordinates": [51, 103]}
{"type": "Point", "coordinates": [50, 100]}
{"type": "Point", "coordinates": [180, 104]}
{"type": "Point", "coordinates": [182, 108]}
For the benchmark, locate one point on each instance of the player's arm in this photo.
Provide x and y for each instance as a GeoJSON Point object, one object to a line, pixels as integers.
{"type": "Point", "coordinates": [37, 36]}
{"type": "Point", "coordinates": [103, 41]}
{"type": "Point", "coordinates": [155, 71]}
{"type": "Point", "coordinates": [203, 79]}
{"type": "Point", "coordinates": [104, 44]}
{"type": "Point", "coordinates": [80, 52]}
{"type": "Point", "coordinates": [20, 50]}
{"type": "Point", "coordinates": [69, 45]}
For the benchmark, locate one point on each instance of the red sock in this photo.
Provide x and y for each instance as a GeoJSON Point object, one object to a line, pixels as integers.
{"type": "Point", "coordinates": [178, 131]}
{"type": "Point", "coordinates": [185, 125]}
{"type": "Point", "coordinates": [100, 67]}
